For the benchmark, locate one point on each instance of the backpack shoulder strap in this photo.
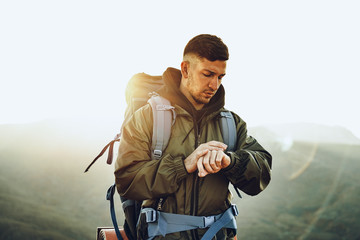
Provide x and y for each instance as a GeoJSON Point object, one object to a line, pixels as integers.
{"type": "Point", "coordinates": [228, 129]}
{"type": "Point", "coordinates": [163, 119]}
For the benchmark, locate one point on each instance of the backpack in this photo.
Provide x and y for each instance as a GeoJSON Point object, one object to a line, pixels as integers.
{"type": "Point", "coordinates": [141, 89]}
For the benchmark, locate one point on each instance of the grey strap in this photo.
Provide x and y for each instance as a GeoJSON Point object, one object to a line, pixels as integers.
{"type": "Point", "coordinates": [226, 219]}
{"type": "Point", "coordinates": [163, 118]}
{"type": "Point", "coordinates": [228, 129]}
{"type": "Point", "coordinates": [161, 223]}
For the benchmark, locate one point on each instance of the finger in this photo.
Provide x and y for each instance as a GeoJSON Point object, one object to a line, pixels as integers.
{"type": "Point", "coordinates": [209, 147]}
{"type": "Point", "coordinates": [213, 159]}
{"type": "Point", "coordinates": [219, 158]}
{"type": "Point", "coordinates": [206, 162]}
{"type": "Point", "coordinates": [212, 147]}
{"type": "Point", "coordinates": [225, 162]}
{"type": "Point", "coordinates": [201, 153]}
{"type": "Point", "coordinates": [202, 172]}
{"type": "Point", "coordinates": [217, 144]}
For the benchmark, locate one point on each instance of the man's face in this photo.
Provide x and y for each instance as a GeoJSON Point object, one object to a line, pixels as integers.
{"type": "Point", "coordinates": [202, 81]}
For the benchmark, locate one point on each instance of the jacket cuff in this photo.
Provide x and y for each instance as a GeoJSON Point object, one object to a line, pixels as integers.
{"type": "Point", "coordinates": [179, 167]}
{"type": "Point", "coordinates": [238, 164]}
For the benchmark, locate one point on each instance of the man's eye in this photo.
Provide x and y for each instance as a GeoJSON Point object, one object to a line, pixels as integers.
{"type": "Point", "coordinates": [221, 77]}
{"type": "Point", "coordinates": [207, 75]}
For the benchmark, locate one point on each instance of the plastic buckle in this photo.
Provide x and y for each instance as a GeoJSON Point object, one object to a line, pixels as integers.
{"type": "Point", "coordinates": [151, 216]}
{"type": "Point", "coordinates": [208, 221]}
{"type": "Point", "coordinates": [224, 114]}
{"type": "Point", "coordinates": [157, 153]}
{"type": "Point", "coordinates": [235, 209]}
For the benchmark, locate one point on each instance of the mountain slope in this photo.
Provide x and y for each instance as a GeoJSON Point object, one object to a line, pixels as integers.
{"type": "Point", "coordinates": [44, 193]}
{"type": "Point", "coordinates": [311, 132]}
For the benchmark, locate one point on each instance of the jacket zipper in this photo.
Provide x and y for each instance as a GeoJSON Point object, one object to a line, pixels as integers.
{"type": "Point", "coordinates": [160, 203]}
{"type": "Point", "coordinates": [195, 187]}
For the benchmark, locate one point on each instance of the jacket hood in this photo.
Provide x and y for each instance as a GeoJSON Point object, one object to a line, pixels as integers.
{"type": "Point", "coordinates": [171, 91]}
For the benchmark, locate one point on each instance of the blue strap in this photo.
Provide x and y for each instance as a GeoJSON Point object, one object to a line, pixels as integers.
{"type": "Point", "coordinates": [228, 129]}
{"type": "Point", "coordinates": [224, 220]}
{"type": "Point", "coordinates": [110, 197]}
{"type": "Point", "coordinates": [161, 223]}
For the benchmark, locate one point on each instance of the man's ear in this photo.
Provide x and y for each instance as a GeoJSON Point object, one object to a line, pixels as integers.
{"type": "Point", "coordinates": [184, 69]}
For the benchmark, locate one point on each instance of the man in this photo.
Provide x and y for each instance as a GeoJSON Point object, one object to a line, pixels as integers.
{"type": "Point", "coordinates": [193, 174]}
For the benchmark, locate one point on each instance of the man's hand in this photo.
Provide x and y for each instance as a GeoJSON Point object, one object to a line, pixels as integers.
{"type": "Point", "coordinates": [212, 162]}
{"type": "Point", "coordinates": [191, 162]}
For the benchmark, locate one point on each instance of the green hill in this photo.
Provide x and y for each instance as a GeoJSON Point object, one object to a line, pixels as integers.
{"type": "Point", "coordinates": [320, 203]}
{"type": "Point", "coordinates": [44, 193]}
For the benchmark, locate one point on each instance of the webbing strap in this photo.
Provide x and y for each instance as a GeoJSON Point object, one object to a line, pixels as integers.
{"type": "Point", "coordinates": [110, 197]}
{"type": "Point", "coordinates": [110, 145]}
{"type": "Point", "coordinates": [161, 223]}
{"type": "Point", "coordinates": [226, 218]}
{"type": "Point", "coordinates": [228, 129]}
{"type": "Point", "coordinates": [162, 122]}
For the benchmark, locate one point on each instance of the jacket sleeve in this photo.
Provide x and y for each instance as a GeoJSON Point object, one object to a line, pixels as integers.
{"type": "Point", "coordinates": [250, 168]}
{"type": "Point", "coordinates": [137, 176]}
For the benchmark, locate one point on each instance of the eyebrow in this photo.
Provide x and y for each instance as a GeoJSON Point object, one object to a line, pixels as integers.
{"type": "Point", "coordinates": [211, 72]}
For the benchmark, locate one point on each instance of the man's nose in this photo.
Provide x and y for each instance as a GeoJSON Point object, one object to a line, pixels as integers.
{"type": "Point", "coordinates": [214, 83]}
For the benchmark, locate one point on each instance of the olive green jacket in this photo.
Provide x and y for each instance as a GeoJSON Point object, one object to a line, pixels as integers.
{"type": "Point", "coordinates": [139, 177]}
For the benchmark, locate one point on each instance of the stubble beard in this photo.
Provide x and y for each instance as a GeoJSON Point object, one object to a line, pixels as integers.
{"type": "Point", "coordinates": [195, 95]}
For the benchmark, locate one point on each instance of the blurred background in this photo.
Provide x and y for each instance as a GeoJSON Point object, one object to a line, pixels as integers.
{"type": "Point", "coordinates": [64, 66]}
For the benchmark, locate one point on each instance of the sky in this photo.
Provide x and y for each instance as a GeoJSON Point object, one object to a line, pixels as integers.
{"type": "Point", "coordinates": [290, 61]}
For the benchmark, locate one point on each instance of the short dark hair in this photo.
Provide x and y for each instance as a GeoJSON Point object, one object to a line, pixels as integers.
{"type": "Point", "coordinates": [207, 46]}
